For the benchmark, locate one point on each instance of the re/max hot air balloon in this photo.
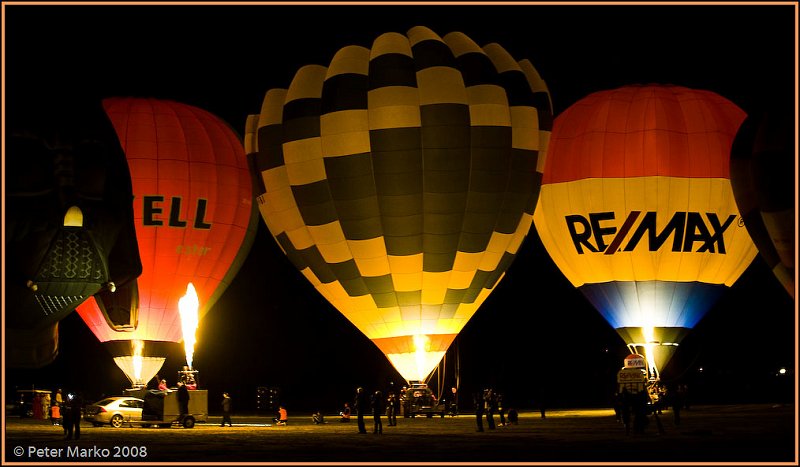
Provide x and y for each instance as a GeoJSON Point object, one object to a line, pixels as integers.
{"type": "Point", "coordinates": [763, 179]}
{"type": "Point", "coordinates": [194, 218]}
{"type": "Point", "coordinates": [68, 221]}
{"type": "Point", "coordinates": [401, 180]}
{"type": "Point", "coordinates": [636, 209]}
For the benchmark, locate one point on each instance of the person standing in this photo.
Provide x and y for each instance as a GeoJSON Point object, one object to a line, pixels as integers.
{"type": "Point", "coordinates": [500, 409]}
{"type": "Point", "coordinates": [479, 403]}
{"type": "Point", "coordinates": [360, 404]}
{"type": "Point", "coordinates": [226, 409]}
{"type": "Point", "coordinates": [72, 421]}
{"type": "Point", "coordinates": [391, 409]}
{"type": "Point", "coordinates": [66, 418]}
{"type": "Point", "coordinates": [676, 398]}
{"type": "Point", "coordinates": [377, 409]}
{"type": "Point", "coordinates": [46, 406]}
{"type": "Point", "coordinates": [490, 405]}
{"type": "Point", "coordinates": [59, 398]}
{"type": "Point", "coordinates": [55, 414]}
{"type": "Point", "coordinates": [183, 400]}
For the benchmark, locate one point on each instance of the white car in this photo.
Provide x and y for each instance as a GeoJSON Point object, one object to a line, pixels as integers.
{"type": "Point", "coordinates": [115, 411]}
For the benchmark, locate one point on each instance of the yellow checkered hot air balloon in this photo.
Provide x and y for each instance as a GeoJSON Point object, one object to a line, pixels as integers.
{"type": "Point", "coordinates": [401, 180]}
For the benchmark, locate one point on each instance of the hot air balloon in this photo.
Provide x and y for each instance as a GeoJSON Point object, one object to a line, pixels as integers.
{"type": "Point", "coordinates": [68, 221]}
{"type": "Point", "coordinates": [763, 179]}
{"type": "Point", "coordinates": [401, 180]}
{"type": "Point", "coordinates": [637, 211]}
{"type": "Point", "coordinates": [195, 222]}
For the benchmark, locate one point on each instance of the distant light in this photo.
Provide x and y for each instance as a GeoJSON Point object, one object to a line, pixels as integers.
{"type": "Point", "coordinates": [782, 371]}
{"type": "Point", "coordinates": [700, 369]}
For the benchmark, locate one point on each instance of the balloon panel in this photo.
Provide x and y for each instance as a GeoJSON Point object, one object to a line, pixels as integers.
{"type": "Point", "coordinates": [644, 229]}
{"type": "Point", "coordinates": [192, 209]}
{"type": "Point", "coordinates": [652, 303]}
{"type": "Point", "coordinates": [401, 181]}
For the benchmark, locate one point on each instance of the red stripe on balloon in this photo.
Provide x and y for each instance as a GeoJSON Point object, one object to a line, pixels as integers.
{"type": "Point", "coordinates": [641, 131]}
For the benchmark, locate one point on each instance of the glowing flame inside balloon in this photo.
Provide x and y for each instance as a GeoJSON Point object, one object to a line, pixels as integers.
{"type": "Point", "coordinates": [138, 347]}
{"type": "Point", "coordinates": [421, 348]}
{"type": "Point", "coordinates": [649, 350]}
{"type": "Point", "coordinates": [188, 307]}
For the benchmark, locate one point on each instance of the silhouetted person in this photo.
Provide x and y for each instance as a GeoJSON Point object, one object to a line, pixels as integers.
{"type": "Point", "coordinates": [542, 401]}
{"type": "Point", "coordinates": [391, 409]}
{"type": "Point", "coordinates": [72, 421]}
{"type": "Point", "coordinates": [626, 403]}
{"type": "Point", "coordinates": [513, 417]}
{"type": "Point", "coordinates": [479, 403]}
{"type": "Point", "coordinates": [226, 409]}
{"type": "Point", "coordinates": [490, 406]}
{"type": "Point", "coordinates": [361, 404]}
{"type": "Point", "coordinates": [345, 413]}
{"type": "Point", "coordinates": [377, 410]}
{"type": "Point", "coordinates": [183, 400]}
{"type": "Point", "coordinates": [500, 409]}
{"type": "Point", "coordinates": [640, 411]}
{"type": "Point", "coordinates": [676, 399]}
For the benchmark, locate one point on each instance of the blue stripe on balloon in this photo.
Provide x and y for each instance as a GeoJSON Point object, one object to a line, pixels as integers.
{"type": "Point", "coordinates": [658, 303]}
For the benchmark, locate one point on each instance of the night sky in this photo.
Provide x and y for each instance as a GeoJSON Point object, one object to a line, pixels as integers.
{"type": "Point", "coordinates": [535, 332]}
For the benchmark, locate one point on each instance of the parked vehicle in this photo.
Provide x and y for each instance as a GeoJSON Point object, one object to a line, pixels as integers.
{"type": "Point", "coordinates": [115, 411]}
{"type": "Point", "coordinates": [418, 399]}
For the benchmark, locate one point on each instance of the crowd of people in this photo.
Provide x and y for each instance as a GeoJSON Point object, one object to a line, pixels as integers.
{"type": "Point", "coordinates": [632, 408]}
{"type": "Point", "coordinates": [488, 403]}
{"type": "Point", "coordinates": [65, 410]}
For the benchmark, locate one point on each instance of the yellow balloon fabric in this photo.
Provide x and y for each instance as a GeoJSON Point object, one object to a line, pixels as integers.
{"type": "Point", "coordinates": [401, 181]}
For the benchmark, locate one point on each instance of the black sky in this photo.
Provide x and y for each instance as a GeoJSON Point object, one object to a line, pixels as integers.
{"type": "Point", "coordinates": [271, 327]}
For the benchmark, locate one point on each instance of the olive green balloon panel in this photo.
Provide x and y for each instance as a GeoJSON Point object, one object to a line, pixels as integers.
{"type": "Point", "coordinates": [401, 180]}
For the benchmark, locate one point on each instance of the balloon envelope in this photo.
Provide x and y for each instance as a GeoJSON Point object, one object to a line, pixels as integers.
{"type": "Point", "coordinates": [193, 214]}
{"type": "Point", "coordinates": [401, 180]}
{"type": "Point", "coordinates": [637, 211]}
{"type": "Point", "coordinates": [68, 221]}
{"type": "Point", "coordinates": [763, 174]}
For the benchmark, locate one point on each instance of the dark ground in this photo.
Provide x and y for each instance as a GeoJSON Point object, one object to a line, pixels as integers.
{"type": "Point", "coordinates": [754, 433]}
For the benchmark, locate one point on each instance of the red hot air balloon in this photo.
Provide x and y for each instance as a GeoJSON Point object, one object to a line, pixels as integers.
{"type": "Point", "coordinates": [194, 219]}
{"type": "Point", "coordinates": [636, 209]}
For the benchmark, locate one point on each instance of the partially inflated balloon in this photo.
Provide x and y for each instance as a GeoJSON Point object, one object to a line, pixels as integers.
{"type": "Point", "coordinates": [763, 178]}
{"type": "Point", "coordinates": [401, 181]}
{"type": "Point", "coordinates": [194, 219]}
{"type": "Point", "coordinates": [637, 211]}
{"type": "Point", "coordinates": [68, 221]}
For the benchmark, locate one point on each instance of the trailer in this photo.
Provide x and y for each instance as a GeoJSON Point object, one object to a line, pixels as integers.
{"type": "Point", "coordinates": [161, 408]}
